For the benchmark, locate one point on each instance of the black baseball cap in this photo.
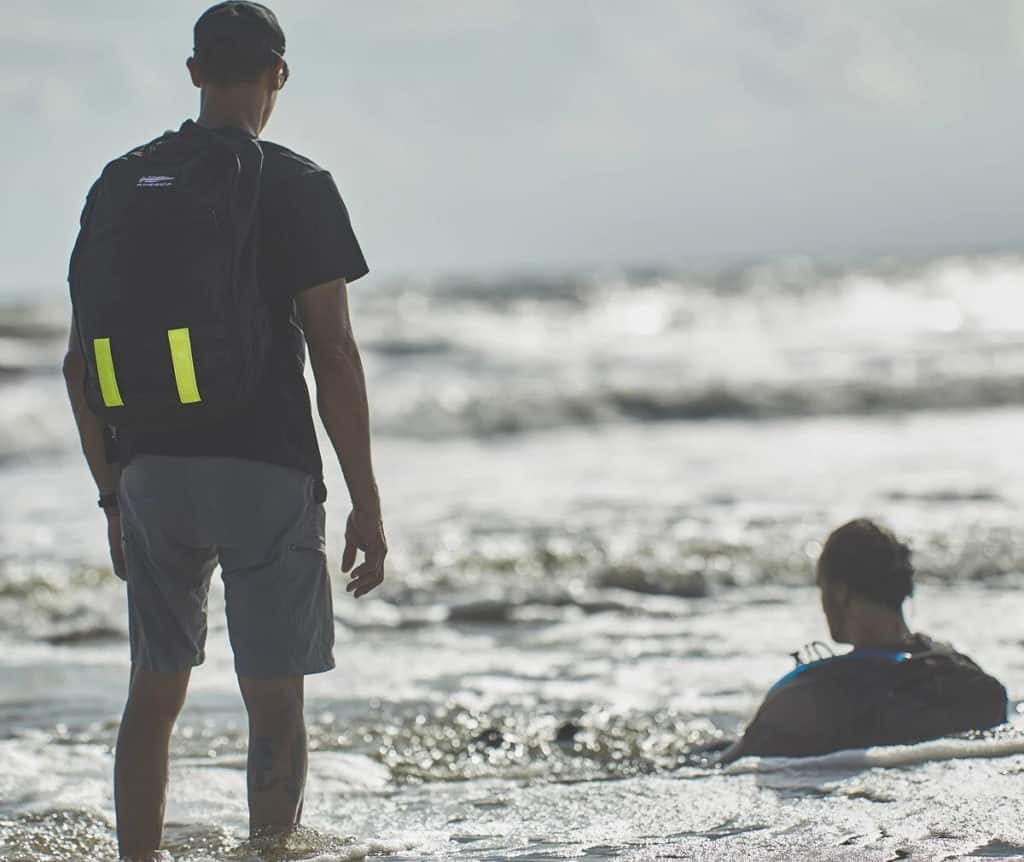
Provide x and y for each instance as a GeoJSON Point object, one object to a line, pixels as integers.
{"type": "Point", "coordinates": [238, 25]}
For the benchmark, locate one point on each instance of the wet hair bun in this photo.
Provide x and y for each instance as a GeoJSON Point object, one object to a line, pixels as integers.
{"type": "Point", "coordinates": [870, 560]}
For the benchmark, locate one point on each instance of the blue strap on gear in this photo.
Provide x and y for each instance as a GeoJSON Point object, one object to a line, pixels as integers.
{"type": "Point", "coordinates": [894, 656]}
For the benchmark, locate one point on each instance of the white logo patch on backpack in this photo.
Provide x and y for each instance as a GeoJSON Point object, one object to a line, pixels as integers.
{"type": "Point", "coordinates": [154, 182]}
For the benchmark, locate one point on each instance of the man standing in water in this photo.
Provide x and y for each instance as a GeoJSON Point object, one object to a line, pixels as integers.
{"type": "Point", "coordinates": [244, 488]}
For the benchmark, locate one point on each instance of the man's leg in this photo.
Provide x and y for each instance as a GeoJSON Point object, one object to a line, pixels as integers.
{"type": "Point", "coordinates": [277, 752]}
{"type": "Point", "coordinates": [141, 762]}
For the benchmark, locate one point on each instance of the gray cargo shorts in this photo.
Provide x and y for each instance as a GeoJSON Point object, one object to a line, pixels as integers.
{"type": "Point", "coordinates": [180, 516]}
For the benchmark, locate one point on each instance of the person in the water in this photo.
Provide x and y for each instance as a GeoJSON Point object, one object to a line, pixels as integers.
{"type": "Point", "coordinates": [895, 686]}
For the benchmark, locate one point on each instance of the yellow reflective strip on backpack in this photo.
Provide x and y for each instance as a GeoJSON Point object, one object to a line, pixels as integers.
{"type": "Point", "coordinates": [105, 369]}
{"type": "Point", "coordinates": [184, 369]}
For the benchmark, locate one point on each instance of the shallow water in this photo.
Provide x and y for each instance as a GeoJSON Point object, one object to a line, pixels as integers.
{"type": "Point", "coordinates": [576, 605]}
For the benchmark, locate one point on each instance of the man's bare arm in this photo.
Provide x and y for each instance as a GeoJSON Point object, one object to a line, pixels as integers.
{"type": "Point", "coordinates": [90, 432]}
{"type": "Point", "coordinates": [342, 402]}
{"type": "Point", "coordinates": [792, 723]}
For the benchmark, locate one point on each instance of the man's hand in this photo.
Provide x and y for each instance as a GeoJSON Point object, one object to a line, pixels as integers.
{"type": "Point", "coordinates": [364, 532]}
{"type": "Point", "coordinates": [114, 540]}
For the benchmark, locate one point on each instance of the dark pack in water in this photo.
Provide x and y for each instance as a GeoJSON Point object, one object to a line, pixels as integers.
{"type": "Point", "coordinates": [875, 697]}
{"type": "Point", "coordinates": [164, 282]}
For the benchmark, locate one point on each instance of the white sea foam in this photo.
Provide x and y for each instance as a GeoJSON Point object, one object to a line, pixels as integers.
{"type": "Point", "coordinates": [888, 757]}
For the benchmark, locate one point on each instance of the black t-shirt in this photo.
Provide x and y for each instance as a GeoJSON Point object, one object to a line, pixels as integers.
{"type": "Point", "coordinates": [305, 239]}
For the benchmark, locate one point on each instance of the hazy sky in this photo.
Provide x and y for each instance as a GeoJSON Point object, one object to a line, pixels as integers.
{"type": "Point", "coordinates": [559, 133]}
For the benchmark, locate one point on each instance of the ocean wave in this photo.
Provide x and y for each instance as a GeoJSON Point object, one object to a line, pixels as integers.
{"type": "Point", "coordinates": [37, 423]}
{"type": "Point", "coordinates": [504, 411]}
{"type": "Point", "coordinates": [44, 321]}
{"type": "Point", "coordinates": [432, 741]}
{"type": "Point", "coordinates": [857, 398]}
{"type": "Point", "coordinates": [521, 578]}
{"type": "Point", "coordinates": [36, 418]}
{"type": "Point", "coordinates": [784, 339]}
{"type": "Point", "coordinates": [484, 357]}
{"type": "Point", "coordinates": [457, 743]}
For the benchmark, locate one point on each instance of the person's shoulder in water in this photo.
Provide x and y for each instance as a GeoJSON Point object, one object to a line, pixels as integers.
{"type": "Point", "coordinates": [894, 687]}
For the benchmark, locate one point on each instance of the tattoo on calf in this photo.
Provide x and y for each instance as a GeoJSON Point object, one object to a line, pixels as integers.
{"type": "Point", "coordinates": [261, 764]}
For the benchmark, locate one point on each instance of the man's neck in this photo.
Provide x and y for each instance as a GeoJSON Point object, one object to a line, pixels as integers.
{"type": "Point", "coordinates": [217, 113]}
{"type": "Point", "coordinates": [879, 630]}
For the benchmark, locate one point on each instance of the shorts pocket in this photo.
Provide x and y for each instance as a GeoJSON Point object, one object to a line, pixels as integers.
{"type": "Point", "coordinates": [308, 536]}
{"type": "Point", "coordinates": [308, 548]}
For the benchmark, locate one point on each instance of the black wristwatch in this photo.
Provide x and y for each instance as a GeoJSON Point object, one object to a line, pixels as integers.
{"type": "Point", "coordinates": [107, 502]}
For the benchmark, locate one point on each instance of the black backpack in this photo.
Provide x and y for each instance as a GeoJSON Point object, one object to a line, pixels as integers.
{"type": "Point", "coordinates": [938, 692]}
{"type": "Point", "coordinates": [875, 697]}
{"type": "Point", "coordinates": [164, 286]}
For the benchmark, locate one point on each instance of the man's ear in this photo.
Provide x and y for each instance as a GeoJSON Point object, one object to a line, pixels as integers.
{"type": "Point", "coordinates": [277, 75]}
{"type": "Point", "coordinates": [193, 71]}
